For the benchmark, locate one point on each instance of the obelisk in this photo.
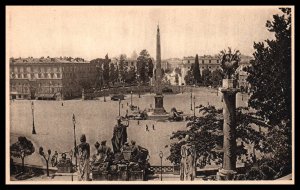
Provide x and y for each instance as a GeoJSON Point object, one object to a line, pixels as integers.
{"type": "Point", "coordinates": [159, 98]}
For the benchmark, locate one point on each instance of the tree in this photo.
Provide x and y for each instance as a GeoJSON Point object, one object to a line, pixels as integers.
{"type": "Point", "coordinates": [272, 93]}
{"type": "Point", "coordinates": [113, 75]}
{"type": "Point", "coordinates": [178, 71]}
{"type": "Point", "coordinates": [131, 76]}
{"type": "Point", "coordinates": [188, 78]}
{"type": "Point", "coordinates": [41, 152]}
{"type": "Point", "coordinates": [216, 77]}
{"type": "Point", "coordinates": [206, 133]}
{"type": "Point", "coordinates": [196, 71]}
{"type": "Point", "coordinates": [206, 77]}
{"type": "Point", "coordinates": [22, 148]}
{"type": "Point", "coordinates": [122, 67]}
{"type": "Point", "coordinates": [176, 79]}
{"type": "Point", "coordinates": [143, 66]}
{"type": "Point", "coordinates": [150, 68]}
{"type": "Point", "coordinates": [106, 78]}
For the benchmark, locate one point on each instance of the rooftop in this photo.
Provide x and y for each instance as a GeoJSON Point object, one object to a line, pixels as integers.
{"type": "Point", "coordinates": [48, 60]}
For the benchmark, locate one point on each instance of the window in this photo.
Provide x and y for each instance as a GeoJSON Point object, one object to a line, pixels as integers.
{"type": "Point", "coordinates": [209, 67]}
{"type": "Point", "coordinates": [52, 75]}
{"type": "Point", "coordinates": [19, 76]}
{"type": "Point", "coordinates": [202, 61]}
{"type": "Point", "coordinates": [217, 61]}
{"type": "Point", "coordinates": [58, 75]}
{"type": "Point", "coordinates": [209, 61]}
{"type": "Point", "coordinates": [40, 75]}
{"type": "Point", "coordinates": [32, 75]}
{"type": "Point", "coordinates": [188, 61]}
{"type": "Point", "coordinates": [25, 76]}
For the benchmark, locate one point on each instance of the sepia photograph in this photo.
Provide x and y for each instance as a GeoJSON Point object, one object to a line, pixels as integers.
{"type": "Point", "coordinates": [149, 95]}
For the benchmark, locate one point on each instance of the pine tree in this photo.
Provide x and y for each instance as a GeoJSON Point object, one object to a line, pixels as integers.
{"type": "Point", "coordinates": [196, 71]}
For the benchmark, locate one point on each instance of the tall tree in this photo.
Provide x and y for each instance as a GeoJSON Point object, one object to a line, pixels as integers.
{"type": "Point", "coordinates": [106, 70]}
{"type": "Point", "coordinates": [131, 76]}
{"type": "Point", "coordinates": [196, 71]}
{"type": "Point", "coordinates": [216, 77]}
{"type": "Point", "coordinates": [272, 92]}
{"type": "Point", "coordinates": [142, 66]}
{"type": "Point", "coordinates": [150, 68]}
{"type": "Point", "coordinates": [188, 78]}
{"type": "Point", "coordinates": [112, 73]}
{"type": "Point", "coordinates": [22, 148]}
{"type": "Point", "coordinates": [176, 79]}
{"type": "Point", "coordinates": [206, 77]}
{"type": "Point", "coordinates": [122, 67]}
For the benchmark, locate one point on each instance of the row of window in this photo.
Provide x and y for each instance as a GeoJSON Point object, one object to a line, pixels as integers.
{"type": "Point", "coordinates": [36, 69]}
{"type": "Point", "coordinates": [32, 76]}
{"type": "Point", "coordinates": [51, 69]}
{"type": "Point", "coordinates": [209, 61]}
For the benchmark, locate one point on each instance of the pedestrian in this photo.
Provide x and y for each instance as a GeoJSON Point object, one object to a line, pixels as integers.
{"type": "Point", "coordinates": [147, 128]}
{"type": "Point", "coordinates": [127, 103]}
{"type": "Point", "coordinates": [62, 104]}
{"type": "Point", "coordinates": [153, 127]}
{"type": "Point", "coordinates": [138, 122]}
{"type": "Point", "coordinates": [122, 105]}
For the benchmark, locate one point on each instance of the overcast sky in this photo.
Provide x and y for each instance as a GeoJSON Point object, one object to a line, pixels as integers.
{"type": "Point", "coordinates": [91, 32]}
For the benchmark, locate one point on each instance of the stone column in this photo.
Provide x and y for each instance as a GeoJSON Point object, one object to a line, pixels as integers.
{"type": "Point", "coordinates": [229, 130]}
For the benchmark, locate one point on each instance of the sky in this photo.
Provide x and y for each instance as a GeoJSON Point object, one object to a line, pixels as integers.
{"type": "Point", "coordinates": [93, 31]}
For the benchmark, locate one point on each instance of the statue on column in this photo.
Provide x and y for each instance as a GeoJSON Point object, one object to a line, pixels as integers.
{"type": "Point", "coordinates": [188, 161]}
{"type": "Point", "coordinates": [230, 62]}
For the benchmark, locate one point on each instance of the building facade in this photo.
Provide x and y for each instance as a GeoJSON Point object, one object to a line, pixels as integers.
{"type": "Point", "coordinates": [49, 78]}
{"type": "Point", "coordinates": [213, 63]}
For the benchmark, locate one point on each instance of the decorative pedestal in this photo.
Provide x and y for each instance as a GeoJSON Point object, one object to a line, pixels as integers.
{"type": "Point", "coordinates": [229, 130]}
{"type": "Point", "coordinates": [159, 105]}
{"type": "Point", "coordinates": [225, 174]}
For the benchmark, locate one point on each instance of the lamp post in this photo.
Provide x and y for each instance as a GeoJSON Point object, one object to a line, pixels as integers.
{"type": "Point", "coordinates": [194, 107]}
{"type": "Point", "coordinates": [120, 107]}
{"type": "Point", "coordinates": [75, 145]}
{"type": "Point", "coordinates": [191, 98]}
{"type": "Point", "coordinates": [131, 98]}
{"type": "Point", "coordinates": [139, 85]}
{"type": "Point", "coordinates": [161, 156]}
{"type": "Point", "coordinates": [33, 127]}
{"type": "Point", "coordinates": [104, 96]}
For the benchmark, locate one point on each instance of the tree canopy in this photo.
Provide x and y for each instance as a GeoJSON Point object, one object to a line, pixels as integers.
{"type": "Point", "coordinates": [270, 72]}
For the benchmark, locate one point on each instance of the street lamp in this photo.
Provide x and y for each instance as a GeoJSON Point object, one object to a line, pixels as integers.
{"type": "Point", "coordinates": [191, 98]}
{"type": "Point", "coordinates": [33, 127]}
{"type": "Point", "coordinates": [104, 96]}
{"type": "Point", "coordinates": [75, 145]}
{"type": "Point", "coordinates": [131, 98]}
{"type": "Point", "coordinates": [161, 156]}
{"type": "Point", "coordinates": [139, 85]}
{"type": "Point", "coordinates": [119, 107]}
{"type": "Point", "coordinates": [194, 107]}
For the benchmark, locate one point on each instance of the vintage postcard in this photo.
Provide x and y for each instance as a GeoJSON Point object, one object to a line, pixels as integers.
{"type": "Point", "coordinates": [150, 95]}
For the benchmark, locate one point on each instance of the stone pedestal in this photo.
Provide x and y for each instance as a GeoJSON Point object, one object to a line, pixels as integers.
{"type": "Point", "coordinates": [159, 105]}
{"type": "Point", "coordinates": [229, 130]}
